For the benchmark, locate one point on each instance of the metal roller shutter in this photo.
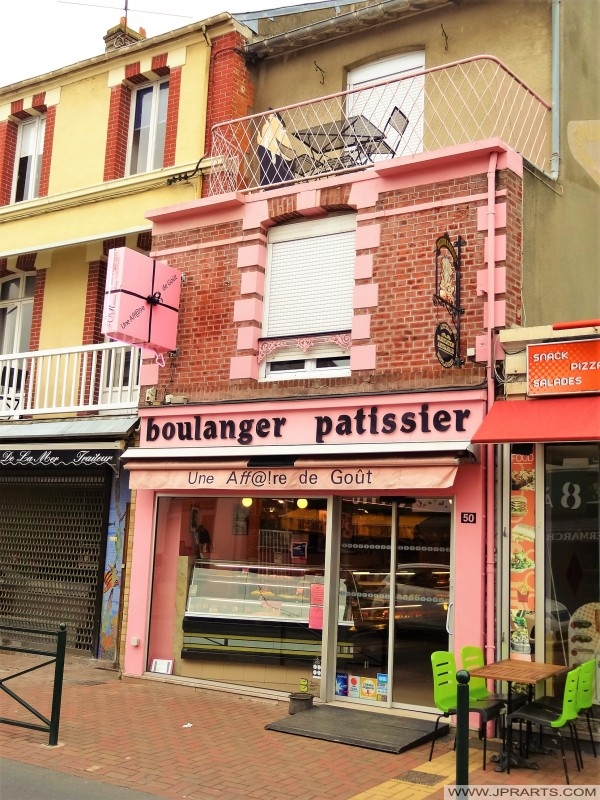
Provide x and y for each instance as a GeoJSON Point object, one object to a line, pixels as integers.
{"type": "Point", "coordinates": [51, 549]}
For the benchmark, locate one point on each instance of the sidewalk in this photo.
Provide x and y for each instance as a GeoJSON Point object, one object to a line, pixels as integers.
{"type": "Point", "coordinates": [175, 741]}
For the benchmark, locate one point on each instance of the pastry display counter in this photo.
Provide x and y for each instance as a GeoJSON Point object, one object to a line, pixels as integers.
{"type": "Point", "coordinates": [254, 612]}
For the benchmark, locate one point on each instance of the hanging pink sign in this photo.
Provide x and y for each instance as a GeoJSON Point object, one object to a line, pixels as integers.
{"type": "Point", "coordinates": [141, 302]}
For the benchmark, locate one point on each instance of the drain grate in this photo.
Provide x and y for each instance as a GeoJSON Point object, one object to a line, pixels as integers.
{"type": "Point", "coordinates": [424, 778]}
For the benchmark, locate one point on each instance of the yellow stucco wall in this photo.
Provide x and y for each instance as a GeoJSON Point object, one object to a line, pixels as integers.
{"type": "Point", "coordinates": [80, 135]}
{"type": "Point", "coordinates": [192, 104]}
{"type": "Point", "coordinates": [472, 27]}
{"type": "Point", "coordinates": [63, 312]}
{"type": "Point", "coordinates": [103, 218]}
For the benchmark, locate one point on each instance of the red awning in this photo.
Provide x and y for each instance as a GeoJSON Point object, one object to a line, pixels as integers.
{"type": "Point", "coordinates": [560, 419]}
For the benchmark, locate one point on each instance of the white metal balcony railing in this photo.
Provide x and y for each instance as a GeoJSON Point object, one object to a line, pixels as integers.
{"type": "Point", "coordinates": [93, 378]}
{"type": "Point", "coordinates": [465, 101]}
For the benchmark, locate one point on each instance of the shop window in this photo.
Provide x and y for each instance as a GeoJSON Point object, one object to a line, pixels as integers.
{"type": "Point", "coordinates": [28, 161]}
{"type": "Point", "coordinates": [308, 299]}
{"type": "Point", "coordinates": [148, 127]}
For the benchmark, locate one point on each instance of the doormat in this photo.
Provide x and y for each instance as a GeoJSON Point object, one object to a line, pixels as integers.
{"type": "Point", "coordinates": [387, 732]}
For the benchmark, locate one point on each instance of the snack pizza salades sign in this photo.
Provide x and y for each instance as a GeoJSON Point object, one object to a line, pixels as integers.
{"type": "Point", "coordinates": [571, 367]}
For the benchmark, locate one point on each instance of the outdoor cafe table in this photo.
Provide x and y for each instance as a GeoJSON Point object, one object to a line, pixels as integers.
{"type": "Point", "coordinates": [515, 671]}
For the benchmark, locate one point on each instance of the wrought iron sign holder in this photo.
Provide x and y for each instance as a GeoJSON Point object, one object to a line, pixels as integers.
{"type": "Point", "coordinates": [447, 295]}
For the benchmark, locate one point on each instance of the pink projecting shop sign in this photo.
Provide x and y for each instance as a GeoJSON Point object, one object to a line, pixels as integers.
{"type": "Point", "coordinates": [141, 303]}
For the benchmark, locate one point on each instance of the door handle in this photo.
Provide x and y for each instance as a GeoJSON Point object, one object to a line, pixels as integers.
{"type": "Point", "coordinates": [448, 618]}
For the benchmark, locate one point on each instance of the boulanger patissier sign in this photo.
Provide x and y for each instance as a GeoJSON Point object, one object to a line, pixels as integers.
{"type": "Point", "coordinates": [385, 419]}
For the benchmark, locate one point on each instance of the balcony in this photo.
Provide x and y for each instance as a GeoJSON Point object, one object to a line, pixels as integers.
{"type": "Point", "coordinates": [465, 101]}
{"type": "Point", "coordinates": [95, 378]}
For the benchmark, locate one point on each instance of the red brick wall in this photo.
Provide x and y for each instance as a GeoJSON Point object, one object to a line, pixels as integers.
{"type": "Point", "coordinates": [94, 302]}
{"type": "Point", "coordinates": [402, 325]}
{"type": "Point", "coordinates": [47, 155]}
{"type": "Point", "coordinates": [172, 117]}
{"type": "Point", "coordinates": [8, 149]}
{"type": "Point", "coordinates": [116, 136]}
{"type": "Point", "coordinates": [230, 89]}
{"type": "Point", "coordinates": [38, 305]}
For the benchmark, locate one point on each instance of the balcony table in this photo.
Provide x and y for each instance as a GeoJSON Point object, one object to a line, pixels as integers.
{"type": "Point", "coordinates": [356, 135]}
{"type": "Point", "coordinates": [515, 671]}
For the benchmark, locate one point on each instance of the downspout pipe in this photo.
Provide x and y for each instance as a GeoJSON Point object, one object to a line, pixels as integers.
{"type": "Point", "coordinates": [490, 564]}
{"type": "Point", "coordinates": [556, 34]}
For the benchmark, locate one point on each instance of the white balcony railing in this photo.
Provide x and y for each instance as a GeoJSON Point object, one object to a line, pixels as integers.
{"type": "Point", "coordinates": [93, 378]}
{"type": "Point", "coordinates": [465, 101]}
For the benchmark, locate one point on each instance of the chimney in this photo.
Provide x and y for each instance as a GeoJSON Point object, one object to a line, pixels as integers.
{"type": "Point", "coordinates": [121, 35]}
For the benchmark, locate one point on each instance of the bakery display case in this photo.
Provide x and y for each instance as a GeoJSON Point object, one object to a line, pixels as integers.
{"type": "Point", "coordinates": [257, 613]}
{"type": "Point", "coordinates": [220, 590]}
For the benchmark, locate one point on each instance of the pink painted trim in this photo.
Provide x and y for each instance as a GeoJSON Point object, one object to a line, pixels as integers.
{"type": "Point", "coordinates": [499, 314]}
{"type": "Point", "coordinates": [180, 211]}
{"type": "Point", "coordinates": [247, 338]}
{"type": "Point", "coordinates": [469, 398]}
{"type": "Point", "coordinates": [363, 267]}
{"type": "Point", "coordinates": [138, 608]}
{"type": "Point", "coordinates": [243, 367]}
{"type": "Point", "coordinates": [363, 356]}
{"type": "Point", "coordinates": [248, 310]}
{"type": "Point", "coordinates": [252, 283]}
{"type": "Point", "coordinates": [368, 236]}
{"type": "Point", "coordinates": [149, 374]}
{"type": "Point", "coordinates": [361, 327]}
{"type": "Point", "coordinates": [253, 255]}
{"type": "Point", "coordinates": [499, 216]}
{"type": "Point", "coordinates": [499, 248]}
{"type": "Point", "coordinates": [499, 281]}
{"type": "Point", "coordinates": [366, 295]}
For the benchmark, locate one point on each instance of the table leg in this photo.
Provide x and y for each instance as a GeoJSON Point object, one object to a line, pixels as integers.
{"type": "Point", "coordinates": [507, 758]}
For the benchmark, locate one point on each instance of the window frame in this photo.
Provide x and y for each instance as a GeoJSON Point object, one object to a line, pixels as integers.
{"type": "Point", "coordinates": [18, 304]}
{"type": "Point", "coordinates": [153, 126]}
{"type": "Point", "coordinates": [31, 189]}
{"type": "Point", "coordinates": [299, 232]}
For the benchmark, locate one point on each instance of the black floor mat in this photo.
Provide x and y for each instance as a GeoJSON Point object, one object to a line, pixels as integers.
{"type": "Point", "coordinates": [390, 733]}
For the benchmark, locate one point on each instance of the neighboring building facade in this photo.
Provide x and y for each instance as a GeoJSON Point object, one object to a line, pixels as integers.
{"type": "Point", "coordinates": [360, 240]}
{"type": "Point", "coordinates": [84, 152]}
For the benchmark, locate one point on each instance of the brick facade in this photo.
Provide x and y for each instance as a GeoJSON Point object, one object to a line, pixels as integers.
{"type": "Point", "coordinates": [230, 88]}
{"type": "Point", "coordinates": [408, 219]}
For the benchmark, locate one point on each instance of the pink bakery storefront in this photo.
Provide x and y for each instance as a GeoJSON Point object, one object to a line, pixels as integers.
{"type": "Point", "coordinates": [324, 544]}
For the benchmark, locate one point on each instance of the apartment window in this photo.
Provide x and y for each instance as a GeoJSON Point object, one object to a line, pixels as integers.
{"type": "Point", "coordinates": [308, 298]}
{"type": "Point", "coordinates": [397, 108]}
{"type": "Point", "coordinates": [148, 127]}
{"type": "Point", "coordinates": [16, 311]}
{"type": "Point", "coordinates": [28, 163]}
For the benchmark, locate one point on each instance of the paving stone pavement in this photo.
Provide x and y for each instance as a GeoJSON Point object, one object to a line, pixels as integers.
{"type": "Point", "coordinates": [177, 741]}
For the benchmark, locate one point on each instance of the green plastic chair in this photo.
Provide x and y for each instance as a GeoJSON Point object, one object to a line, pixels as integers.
{"type": "Point", "coordinates": [546, 717]}
{"type": "Point", "coordinates": [471, 657]}
{"type": "Point", "coordinates": [585, 698]}
{"type": "Point", "coordinates": [445, 688]}
{"type": "Point", "coordinates": [585, 695]}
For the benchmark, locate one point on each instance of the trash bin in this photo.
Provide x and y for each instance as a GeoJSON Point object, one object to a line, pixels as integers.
{"type": "Point", "coordinates": [300, 701]}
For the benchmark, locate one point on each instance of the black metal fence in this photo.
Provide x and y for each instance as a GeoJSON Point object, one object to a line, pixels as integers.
{"type": "Point", "coordinates": [55, 654]}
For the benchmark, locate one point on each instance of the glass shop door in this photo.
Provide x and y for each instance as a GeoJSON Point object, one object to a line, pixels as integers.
{"type": "Point", "coordinates": [395, 564]}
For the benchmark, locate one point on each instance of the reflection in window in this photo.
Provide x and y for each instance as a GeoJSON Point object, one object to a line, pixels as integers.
{"type": "Point", "coordinates": [16, 312]}
{"type": "Point", "coordinates": [572, 543]}
{"type": "Point", "coordinates": [149, 125]}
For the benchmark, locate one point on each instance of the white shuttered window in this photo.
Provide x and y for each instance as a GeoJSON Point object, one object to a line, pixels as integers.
{"type": "Point", "coordinates": [310, 277]}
